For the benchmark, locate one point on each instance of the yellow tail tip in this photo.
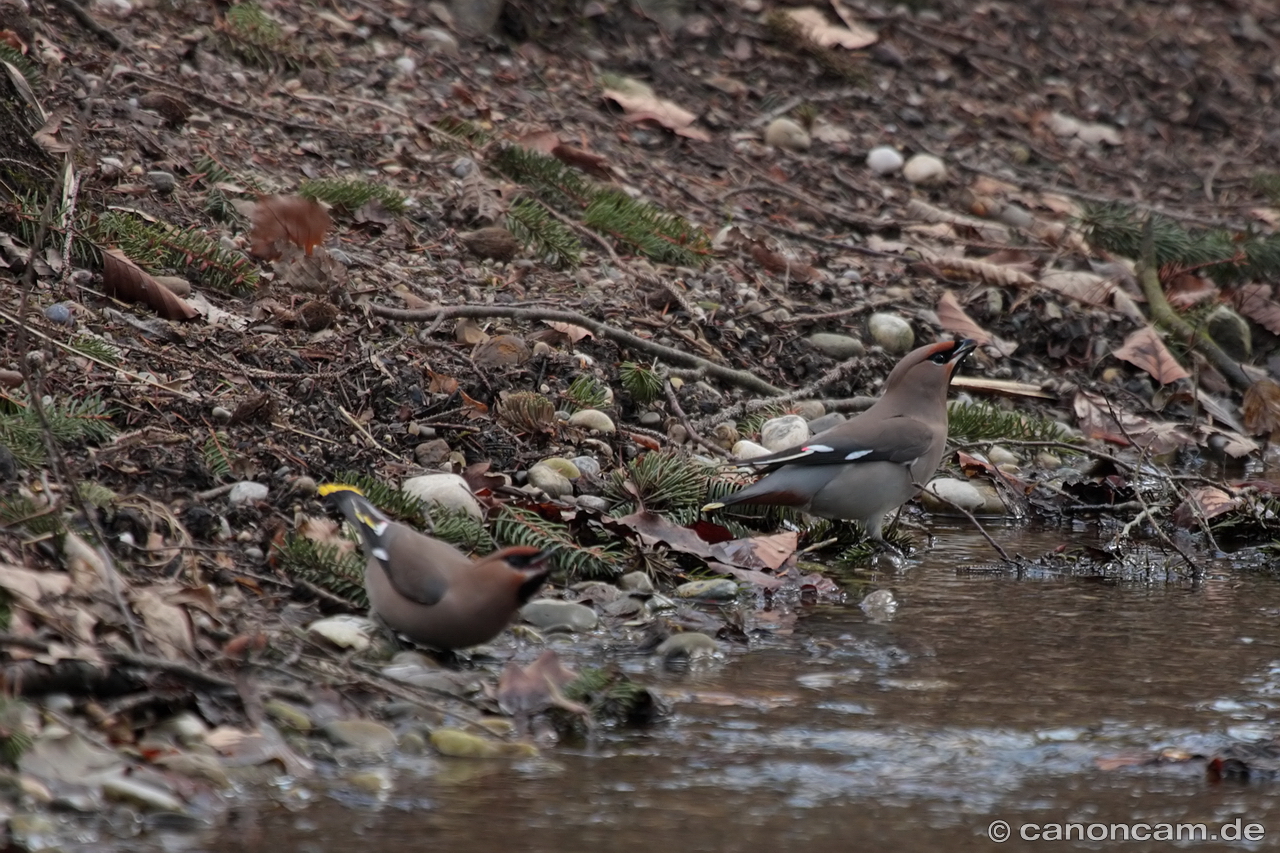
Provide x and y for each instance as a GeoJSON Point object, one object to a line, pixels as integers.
{"type": "Point", "coordinates": [329, 488]}
{"type": "Point", "coordinates": [713, 505]}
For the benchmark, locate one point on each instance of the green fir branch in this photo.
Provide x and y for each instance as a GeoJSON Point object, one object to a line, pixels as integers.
{"type": "Point", "coordinates": [642, 382]}
{"type": "Point", "coordinates": [519, 526]}
{"type": "Point", "coordinates": [546, 237]}
{"type": "Point", "coordinates": [337, 571]}
{"type": "Point", "coordinates": [159, 246]}
{"type": "Point", "coordinates": [350, 194]}
{"type": "Point", "coordinates": [985, 422]}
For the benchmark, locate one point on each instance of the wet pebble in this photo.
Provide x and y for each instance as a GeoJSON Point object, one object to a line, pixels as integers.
{"type": "Point", "coordinates": [162, 182]}
{"type": "Point", "coordinates": [373, 780]}
{"type": "Point", "coordinates": [940, 494]}
{"type": "Point", "coordinates": [549, 614]}
{"type": "Point", "coordinates": [288, 716]}
{"type": "Point", "coordinates": [141, 794]}
{"type": "Point", "coordinates": [364, 736]}
{"type": "Point", "coordinates": [879, 605]}
{"type": "Point", "coordinates": [690, 644]}
{"type": "Point", "coordinates": [448, 490]}
{"type": "Point", "coordinates": [717, 589]}
{"type": "Point", "coordinates": [62, 313]}
{"type": "Point", "coordinates": [651, 420]}
{"type": "Point", "coordinates": [784, 432]}
{"type": "Point", "coordinates": [588, 466]}
{"type": "Point", "coordinates": [459, 744]}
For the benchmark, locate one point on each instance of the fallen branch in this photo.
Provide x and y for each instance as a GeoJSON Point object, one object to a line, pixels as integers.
{"type": "Point", "coordinates": [740, 378]}
{"type": "Point", "coordinates": [1163, 315]}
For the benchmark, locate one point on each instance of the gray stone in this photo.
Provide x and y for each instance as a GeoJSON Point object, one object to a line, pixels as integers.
{"type": "Point", "coordinates": [594, 502]}
{"type": "Point", "coordinates": [880, 606]}
{"type": "Point", "coordinates": [588, 466]}
{"type": "Point", "coordinates": [690, 644]}
{"type": "Point", "coordinates": [826, 422]}
{"type": "Point", "coordinates": [837, 346]}
{"type": "Point", "coordinates": [891, 332]}
{"type": "Point", "coordinates": [364, 736]}
{"type": "Point", "coordinates": [134, 791]}
{"type": "Point", "coordinates": [162, 182]}
{"type": "Point", "coordinates": [998, 455]}
{"type": "Point", "coordinates": [651, 420]}
{"type": "Point", "coordinates": [246, 492]}
{"type": "Point", "coordinates": [448, 490]}
{"type": "Point", "coordinates": [810, 410]}
{"type": "Point", "coordinates": [784, 432]}
{"type": "Point", "coordinates": [636, 582]}
{"type": "Point", "coordinates": [346, 631]}
{"type": "Point", "coordinates": [925, 169]}
{"type": "Point", "coordinates": [717, 589]}
{"type": "Point", "coordinates": [1231, 332]}
{"type": "Point", "coordinates": [435, 40]}
{"type": "Point", "coordinates": [550, 613]}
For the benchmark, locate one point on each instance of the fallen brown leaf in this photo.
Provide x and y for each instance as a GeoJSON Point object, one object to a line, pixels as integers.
{"type": "Point", "coordinates": [1146, 350]}
{"type": "Point", "coordinates": [281, 219]}
{"type": "Point", "coordinates": [1262, 407]}
{"type": "Point", "coordinates": [124, 279]}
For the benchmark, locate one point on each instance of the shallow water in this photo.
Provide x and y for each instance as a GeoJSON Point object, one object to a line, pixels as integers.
{"type": "Point", "coordinates": [986, 696]}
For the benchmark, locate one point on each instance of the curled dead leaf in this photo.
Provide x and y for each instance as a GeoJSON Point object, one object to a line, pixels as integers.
{"type": "Point", "coordinates": [125, 280]}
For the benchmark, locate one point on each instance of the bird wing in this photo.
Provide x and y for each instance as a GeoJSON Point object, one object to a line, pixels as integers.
{"type": "Point", "coordinates": [420, 580]}
{"type": "Point", "coordinates": [899, 439]}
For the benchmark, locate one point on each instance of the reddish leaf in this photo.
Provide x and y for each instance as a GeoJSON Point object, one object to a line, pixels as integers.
{"type": "Point", "coordinates": [1144, 349]}
{"type": "Point", "coordinates": [593, 164]}
{"type": "Point", "coordinates": [1186, 289]}
{"type": "Point", "coordinates": [569, 330]}
{"type": "Point", "coordinates": [1209, 500]}
{"type": "Point", "coordinates": [1256, 302]}
{"type": "Point", "coordinates": [124, 279]}
{"type": "Point", "coordinates": [953, 318]}
{"type": "Point", "coordinates": [1262, 407]}
{"type": "Point", "coordinates": [536, 687]}
{"type": "Point", "coordinates": [281, 219]}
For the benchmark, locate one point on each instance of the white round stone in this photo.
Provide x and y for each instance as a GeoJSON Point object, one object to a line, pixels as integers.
{"type": "Point", "coordinates": [891, 332]}
{"type": "Point", "coordinates": [748, 450]}
{"type": "Point", "coordinates": [925, 169]}
{"type": "Point", "coordinates": [784, 432]}
{"type": "Point", "coordinates": [884, 160]}
{"type": "Point", "coordinates": [448, 490]}
{"type": "Point", "coordinates": [785, 133]}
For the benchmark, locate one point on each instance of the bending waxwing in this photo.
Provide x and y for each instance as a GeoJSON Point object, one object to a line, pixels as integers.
{"type": "Point", "coordinates": [430, 591]}
{"type": "Point", "coordinates": [867, 466]}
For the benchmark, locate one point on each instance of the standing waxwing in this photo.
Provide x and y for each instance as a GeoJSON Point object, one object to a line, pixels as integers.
{"type": "Point", "coordinates": [868, 466]}
{"type": "Point", "coordinates": [430, 591]}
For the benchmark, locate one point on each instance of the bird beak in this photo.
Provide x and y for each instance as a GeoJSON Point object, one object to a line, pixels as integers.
{"type": "Point", "coordinates": [962, 349]}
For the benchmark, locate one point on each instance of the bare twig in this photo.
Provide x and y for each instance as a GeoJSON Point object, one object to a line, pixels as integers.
{"type": "Point", "coordinates": [684, 421]}
{"type": "Point", "coordinates": [967, 514]}
{"type": "Point", "coordinates": [741, 378]}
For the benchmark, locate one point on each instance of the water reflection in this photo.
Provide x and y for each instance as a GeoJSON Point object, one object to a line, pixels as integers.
{"type": "Point", "coordinates": [986, 696]}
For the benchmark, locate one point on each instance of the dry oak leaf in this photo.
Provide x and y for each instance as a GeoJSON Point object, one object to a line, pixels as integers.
{"type": "Point", "coordinates": [1209, 500]}
{"type": "Point", "coordinates": [1262, 407]}
{"type": "Point", "coordinates": [593, 164]}
{"type": "Point", "coordinates": [281, 219]}
{"type": "Point", "coordinates": [1097, 418]}
{"type": "Point", "coordinates": [641, 104]}
{"type": "Point", "coordinates": [1256, 302]}
{"type": "Point", "coordinates": [123, 279]}
{"type": "Point", "coordinates": [1144, 349]}
{"type": "Point", "coordinates": [953, 318]}
{"type": "Point", "coordinates": [570, 331]}
{"type": "Point", "coordinates": [813, 23]}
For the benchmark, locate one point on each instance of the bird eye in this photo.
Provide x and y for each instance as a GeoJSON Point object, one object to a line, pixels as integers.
{"type": "Point", "coordinates": [939, 358]}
